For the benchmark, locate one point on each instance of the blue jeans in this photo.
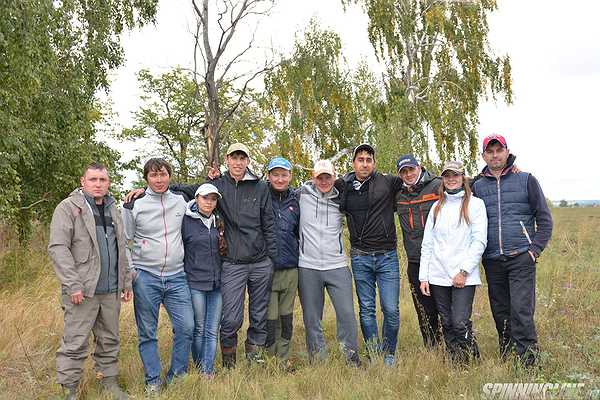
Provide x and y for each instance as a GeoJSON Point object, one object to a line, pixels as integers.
{"type": "Point", "coordinates": [370, 271]}
{"type": "Point", "coordinates": [150, 291]}
{"type": "Point", "coordinates": [207, 314]}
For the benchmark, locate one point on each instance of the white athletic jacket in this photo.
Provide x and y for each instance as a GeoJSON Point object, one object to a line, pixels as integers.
{"type": "Point", "coordinates": [449, 246]}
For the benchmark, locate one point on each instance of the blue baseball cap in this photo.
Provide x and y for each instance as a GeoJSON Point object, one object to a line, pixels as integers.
{"type": "Point", "coordinates": [407, 160]}
{"type": "Point", "coordinates": [279, 162]}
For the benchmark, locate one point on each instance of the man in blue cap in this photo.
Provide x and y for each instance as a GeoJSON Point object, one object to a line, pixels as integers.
{"type": "Point", "coordinates": [286, 212]}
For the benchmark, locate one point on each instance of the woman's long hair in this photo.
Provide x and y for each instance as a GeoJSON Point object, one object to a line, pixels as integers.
{"type": "Point", "coordinates": [464, 208]}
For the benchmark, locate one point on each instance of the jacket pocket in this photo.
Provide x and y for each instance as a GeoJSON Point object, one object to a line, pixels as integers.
{"type": "Point", "coordinates": [340, 243]}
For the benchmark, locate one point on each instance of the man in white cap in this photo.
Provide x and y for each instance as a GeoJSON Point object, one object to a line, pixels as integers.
{"type": "Point", "coordinates": [323, 265]}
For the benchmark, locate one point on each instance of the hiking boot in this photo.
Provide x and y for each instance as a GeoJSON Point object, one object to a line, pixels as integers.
{"type": "Point", "coordinates": [228, 357]}
{"type": "Point", "coordinates": [109, 384]}
{"type": "Point", "coordinates": [70, 391]}
{"type": "Point", "coordinates": [254, 354]}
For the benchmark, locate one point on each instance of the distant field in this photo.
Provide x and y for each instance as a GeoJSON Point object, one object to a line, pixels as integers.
{"type": "Point", "coordinates": [568, 321]}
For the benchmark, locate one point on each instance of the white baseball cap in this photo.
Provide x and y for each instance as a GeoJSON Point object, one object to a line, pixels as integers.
{"type": "Point", "coordinates": [207, 188]}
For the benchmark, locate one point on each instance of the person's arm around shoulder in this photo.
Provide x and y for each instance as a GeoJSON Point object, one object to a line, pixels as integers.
{"type": "Point", "coordinates": [394, 182]}
{"type": "Point", "coordinates": [426, 253]}
{"type": "Point", "coordinates": [543, 217]}
{"type": "Point", "coordinates": [59, 249]}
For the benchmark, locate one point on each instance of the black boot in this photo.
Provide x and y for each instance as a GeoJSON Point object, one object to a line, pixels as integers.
{"type": "Point", "coordinates": [228, 357]}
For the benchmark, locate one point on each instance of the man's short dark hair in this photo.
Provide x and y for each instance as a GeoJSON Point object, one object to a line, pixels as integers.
{"type": "Point", "coordinates": [156, 164]}
{"type": "Point", "coordinates": [96, 166]}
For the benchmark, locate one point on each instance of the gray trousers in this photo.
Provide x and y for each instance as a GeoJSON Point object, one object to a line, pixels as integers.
{"type": "Point", "coordinates": [338, 282]}
{"type": "Point", "coordinates": [234, 280]}
{"type": "Point", "coordinates": [98, 315]}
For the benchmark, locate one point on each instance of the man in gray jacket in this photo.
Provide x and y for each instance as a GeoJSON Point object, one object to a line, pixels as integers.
{"type": "Point", "coordinates": [323, 264]}
{"type": "Point", "coordinates": [87, 248]}
{"type": "Point", "coordinates": [153, 230]}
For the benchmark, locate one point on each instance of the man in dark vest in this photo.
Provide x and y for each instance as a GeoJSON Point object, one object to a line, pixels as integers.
{"type": "Point", "coordinates": [519, 228]}
{"type": "Point", "coordinates": [413, 203]}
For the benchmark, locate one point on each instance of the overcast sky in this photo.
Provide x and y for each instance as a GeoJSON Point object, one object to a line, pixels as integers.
{"type": "Point", "coordinates": [552, 126]}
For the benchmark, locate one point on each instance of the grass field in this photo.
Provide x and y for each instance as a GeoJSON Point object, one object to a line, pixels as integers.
{"type": "Point", "coordinates": [568, 323]}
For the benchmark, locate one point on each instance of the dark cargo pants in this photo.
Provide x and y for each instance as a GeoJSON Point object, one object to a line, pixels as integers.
{"type": "Point", "coordinates": [234, 280]}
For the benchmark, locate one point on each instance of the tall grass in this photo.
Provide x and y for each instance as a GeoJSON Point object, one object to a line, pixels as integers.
{"type": "Point", "coordinates": [568, 322]}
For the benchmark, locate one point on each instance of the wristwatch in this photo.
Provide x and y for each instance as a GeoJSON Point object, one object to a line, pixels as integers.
{"type": "Point", "coordinates": [463, 273]}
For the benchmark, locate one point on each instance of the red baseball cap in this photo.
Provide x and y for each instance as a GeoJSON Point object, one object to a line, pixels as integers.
{"type": "Point", "coordinates": [494, 137]}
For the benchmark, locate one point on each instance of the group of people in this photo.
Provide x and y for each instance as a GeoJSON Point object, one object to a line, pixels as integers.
{"type": "Point", "coordinates": [197, 250]}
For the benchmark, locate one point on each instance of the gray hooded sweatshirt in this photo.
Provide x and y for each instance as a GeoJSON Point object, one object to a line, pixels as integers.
{"type": "Point", "coordinates": [321, 245]}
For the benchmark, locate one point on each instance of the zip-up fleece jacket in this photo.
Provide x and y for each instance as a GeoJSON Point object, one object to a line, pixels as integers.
{"type": "Point", "coordinates": [286, 211]}
{"type": "Point", "coordinates": [378, 232]}
{"type": "Point", "coordinates": [74, 249]}
{"type": "Point", "coordinates": [517, 212]}
{"type": "Point", "coordinates": [248, 215]}
{"type": "Point", "coordinates": [449, 244]}
{"type": "Point", "coordinates": [201, 262]}
{"type": "Point", "coordinates": [321, 221]}
{"type": "Point", "coordinates": [413, 208]}
{"type": "Point", "coordinates": [153, 231]}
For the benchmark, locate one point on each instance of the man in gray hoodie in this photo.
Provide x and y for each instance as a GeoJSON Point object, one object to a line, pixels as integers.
{"type": "Point", "coordinates": [323, 265]}
{"type": "Point", "coordinates": [153, 230]}
{"type": "Point", "coordinates": [87, 248]}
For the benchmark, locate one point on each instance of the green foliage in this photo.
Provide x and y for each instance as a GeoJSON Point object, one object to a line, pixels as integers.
{"type": "Point", "coordinates": [54, 56]}
{"type": "Point", "coordinates": [173, 117]}
{"type": "Point", "coordinates": [319, 108]}
{"type": "Point", "coordinates": [440, 67]}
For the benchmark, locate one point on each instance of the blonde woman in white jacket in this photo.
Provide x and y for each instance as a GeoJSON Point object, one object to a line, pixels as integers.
{"type": "Point", "coordinates": [454, 240]}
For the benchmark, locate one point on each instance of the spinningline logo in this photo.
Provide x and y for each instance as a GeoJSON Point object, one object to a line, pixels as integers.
{"type": "Point", "coordinates": [531, 391]}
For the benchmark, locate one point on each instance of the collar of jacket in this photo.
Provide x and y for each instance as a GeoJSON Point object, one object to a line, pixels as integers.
{"type": "Point", "coordinates": [248, 176]}
{"type": "Point", "coordinates": [275, 193]}
{"type": "Point", "coordinates": [350, 177]}
{"type": "Point", "coordinates": [151, 192]}
{"type": "Point", "coordinates": [508, 169]}
{"type": "Point", "coordinates": [78, 198]}
{"type": "Point", "coordinates": [455, 197]}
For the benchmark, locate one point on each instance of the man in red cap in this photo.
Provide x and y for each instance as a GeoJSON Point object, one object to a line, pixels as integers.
{"type": "Point", "coordinates": [519, 228]}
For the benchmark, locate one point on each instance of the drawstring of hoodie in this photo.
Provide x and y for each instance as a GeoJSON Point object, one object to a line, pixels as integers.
{"type": "Point", "coordinates": [327, 213]}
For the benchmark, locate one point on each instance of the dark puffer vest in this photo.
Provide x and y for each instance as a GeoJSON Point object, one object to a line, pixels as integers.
{"type": "Point", "coordinates": [509, 213]}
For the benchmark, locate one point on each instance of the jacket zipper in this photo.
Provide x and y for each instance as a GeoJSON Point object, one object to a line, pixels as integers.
{"type": "Point", "coordinates": [165, 227]}
{"type": "Point", "coordinates": [411, 222]}
{"type": "Point", "coordinates": [237, 213]}
{"type": "Point", "coordinates": [499, 216]}
{"type": "Point", "coordinates": [422, 219]}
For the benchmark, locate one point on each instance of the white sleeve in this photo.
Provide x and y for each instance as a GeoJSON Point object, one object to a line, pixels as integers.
{"type": "Point", "coordinates": [478, 236]}
{"type": "Point", "coordinates": [427, 246]}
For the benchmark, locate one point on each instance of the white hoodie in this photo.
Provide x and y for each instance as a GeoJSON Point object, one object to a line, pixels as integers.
{"type": "Point", "coordinates": [450, 246]}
